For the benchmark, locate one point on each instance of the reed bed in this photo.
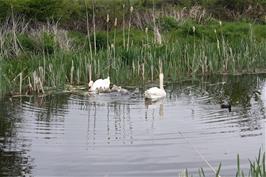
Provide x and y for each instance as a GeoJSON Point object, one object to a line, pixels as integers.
{"type": "Point", "coordinates": [50, 57]}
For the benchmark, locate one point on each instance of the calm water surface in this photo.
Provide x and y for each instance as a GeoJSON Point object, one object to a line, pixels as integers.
{"type": "Point", "coordinates": [122, 135]}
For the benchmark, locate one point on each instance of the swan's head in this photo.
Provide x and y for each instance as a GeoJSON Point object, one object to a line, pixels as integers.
{"type": "Point", "coordinates": [90, 84]}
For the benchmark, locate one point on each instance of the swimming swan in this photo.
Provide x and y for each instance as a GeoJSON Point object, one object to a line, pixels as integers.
{"type": "Point", "coordinates": [99, 85]}
{"type": "Point", "coordinates": [156, 93]}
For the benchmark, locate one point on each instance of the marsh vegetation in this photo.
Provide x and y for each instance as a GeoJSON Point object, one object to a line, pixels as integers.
{"type": "Point", "coordinates": [124, 40]}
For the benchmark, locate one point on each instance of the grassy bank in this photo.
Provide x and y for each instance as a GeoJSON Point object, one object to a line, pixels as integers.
{"type": "Point", "coordinates": [70, 11]}
{"type": "Point", "coordinates": [48, 56]}
{"type": "Point", "coordinates": [61, 57]}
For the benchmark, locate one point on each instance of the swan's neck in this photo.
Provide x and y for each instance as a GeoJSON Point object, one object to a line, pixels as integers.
{"type": "Point", "coordinates": [161, 81]}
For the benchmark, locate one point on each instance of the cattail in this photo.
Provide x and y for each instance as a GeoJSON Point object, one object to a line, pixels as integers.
{"type": "Point", "coordinates": [71, 72]}
{"type": "Point", "coordinates": [107, 18]}
{"type": "Point", "coordinates": [133, 67]}
{"type": "Point", "coordinates": [218, 44]}
{"type": "Point", "coordinates": [146, 30]}
{"type": "Point", "coordinates": [115, 24]}
{"type": "Point", "coordinates": [124, 34]}
{"type": "Point", "coordinates": [158, 38]}
{"type": "Point", "coordinates": [147, 36]}
{"type": "Point", "coordinates": [194, 29]}
{"type": "Point", "coordinates": [112, 46]}
{"type": "Point", "coordinates": [129, 25]}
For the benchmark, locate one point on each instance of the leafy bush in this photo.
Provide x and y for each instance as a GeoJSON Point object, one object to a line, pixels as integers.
{"type": "Point", "coordinates": [40, 10]}
{"type": "Point", "coordinates": [101, 40]}
{"type": "Point", "coordinates": [27, 43]}
{"type": "Point", "coordinates": [168, 23]}
{"type": "Point", "coordinates": [48, 43]}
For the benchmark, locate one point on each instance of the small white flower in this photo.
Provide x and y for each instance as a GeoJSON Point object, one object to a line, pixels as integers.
{"type": "Point", "coordinates": [131, 9]}
{"type": "Point", "coordinates": [220, 22]}
{"type": "Point", "coordinates": [146, 30]}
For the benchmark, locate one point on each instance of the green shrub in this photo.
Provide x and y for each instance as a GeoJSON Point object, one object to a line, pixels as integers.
{"type": "Point", "coordinates": [168, 23]}
{"type": "Point", "coordinates": [101, 40]}
{"type": "Point", "coordinates": [48, 43]}
{"type": "Point", "coordinates": [78, 39]}
{"type": "Point", "coordinates": [28, 44]}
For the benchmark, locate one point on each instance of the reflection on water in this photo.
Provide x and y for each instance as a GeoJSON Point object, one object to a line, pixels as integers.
{"type": "Point", "coordinates": [158, 105]}
{"type": "Point", "coordinates": [14, 159]}
{"type": "Point", "coordinates": [114, 135]}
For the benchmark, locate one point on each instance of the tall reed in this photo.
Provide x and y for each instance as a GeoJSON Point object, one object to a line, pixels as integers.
{"type": "Point", "coordinates": [124, 58]}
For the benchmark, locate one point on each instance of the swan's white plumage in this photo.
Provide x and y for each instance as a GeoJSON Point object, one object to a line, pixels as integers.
{"type": "Point", "coordinates": [100, 85]}
{"type": "Point", "coordinates": [156, 93]}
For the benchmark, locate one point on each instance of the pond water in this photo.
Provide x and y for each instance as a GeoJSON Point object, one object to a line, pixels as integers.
{"type": "Point", "coordinates": [122, 135]}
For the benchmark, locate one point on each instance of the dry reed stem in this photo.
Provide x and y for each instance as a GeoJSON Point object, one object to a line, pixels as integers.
{"type": "Point", "coordinates": [30, 88]}
{"type": "Point", "coordinates": [143, 71]}
{"type": "Point", "coordinates": [20, 83]}
{"type": "Point", "coordinates": [78, 76]}
{"type": "Point", "coordinates": [129, 27]}
{"type": "Point", "coordinates": [14, 27]}
{"type": "Point", "coordinates": [90, 73]}
{"type": "Point", "coordinates": [41, 73]}
{"type": "Point", "coordinates": [160, 66]}
{"type": "Point", "coordinates": [94, 27]}
{"type": "Point", "coordinates": [124, 36]}
{"type": "Point", "coordinates": [34, 80]}
{"type": "Point", "coordinates": [151, 72]}
{"type": "Point", "coordinates": [88, 29]}
{"type": "Point", "coordinates": [41, 86]}
{"type": "Point", "coordinates": [157, 36]}
{"type": "Point", "coordinates": [138, 68]}
{"type": "Point", "coordinates": [72, 73]}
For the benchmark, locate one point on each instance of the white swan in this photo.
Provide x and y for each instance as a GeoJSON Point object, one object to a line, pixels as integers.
{"type": "Point", "coordinates": [156, 93]}
{"type": "Point", "coordinates": [99, 85]}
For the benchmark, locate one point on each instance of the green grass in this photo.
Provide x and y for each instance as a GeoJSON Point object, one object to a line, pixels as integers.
{"type": "Point", "coordinates": [180, 59]}
{"type": "Point", "coordinates": [256, 169]}
{"type": "Point", "coordinates": [73, 10]}
{"type": "Point", "coordinates": [189, 48]}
